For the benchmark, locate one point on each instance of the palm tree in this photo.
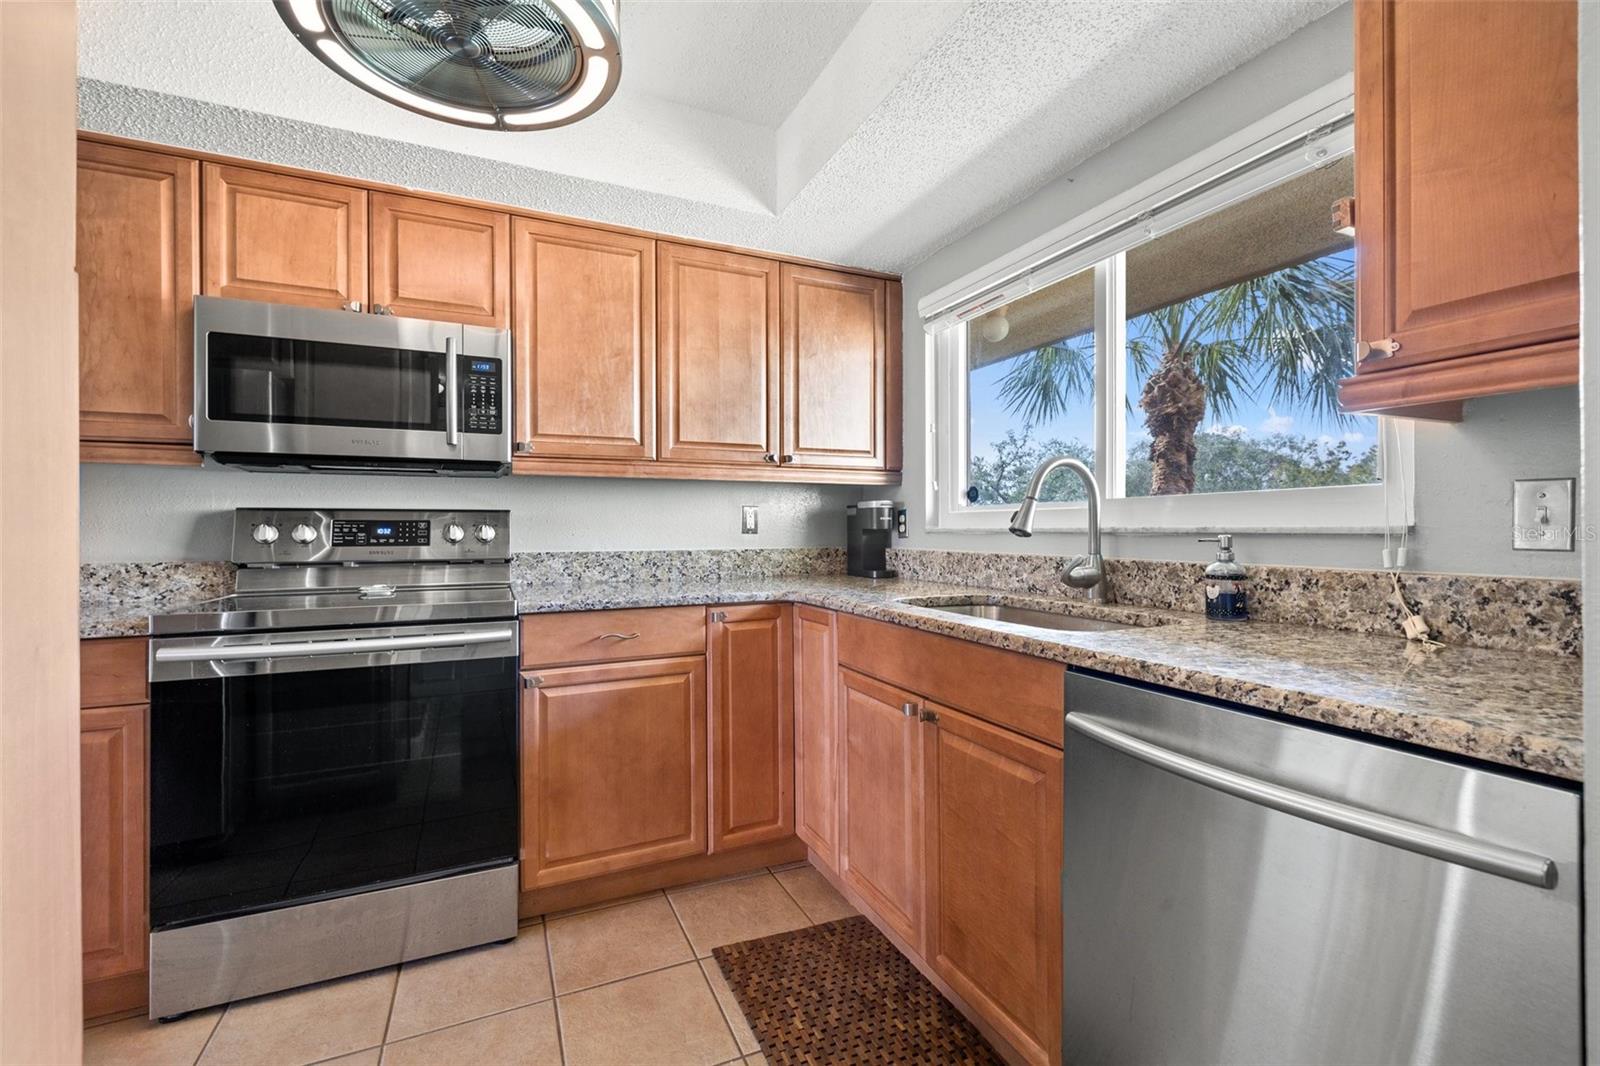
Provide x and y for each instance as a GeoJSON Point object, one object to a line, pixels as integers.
{"type": "Point", "coordinates": [1289, 331]}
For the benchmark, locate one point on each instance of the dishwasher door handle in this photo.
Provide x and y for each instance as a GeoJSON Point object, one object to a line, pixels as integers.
{"type": "Point", "coordinates": [1444, 844]}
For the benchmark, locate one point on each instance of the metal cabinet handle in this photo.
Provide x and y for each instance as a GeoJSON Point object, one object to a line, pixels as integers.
{"type": "Point", "coordinates": [353, 305]}
{"type": "Point", "coordinates": [769, 458]}
{"type": "Point", "coordinates": [908, 709]}
{"type": "Point", "coordinates": [719, 616]}
{"type": "Point", "coordinates": [1444, 844]}
{"type": "Point", "coordinates": [452, 397]}
{"type": "Point", "coordinates": [785, 458]}
{"type": "Point", "coordinates": [619, 636]}
{"type": "Point", "coordinates": [1366, 351]}
{"type": "Point", "coordinates": [302, 649]}
{"type": "Point", "coordinates": [532, 681]}
{"type": "Point", "coordinates": [523, 447]}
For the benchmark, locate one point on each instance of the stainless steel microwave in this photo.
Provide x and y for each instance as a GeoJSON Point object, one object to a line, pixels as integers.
{"type": "Point", "coordinates": [279, 387]}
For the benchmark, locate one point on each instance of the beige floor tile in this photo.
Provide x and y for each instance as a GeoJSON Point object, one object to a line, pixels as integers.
{"type": "Point", "coordinates": [305, 1024]}
{"type": "Point", "coordinates": [599, 946]}
{"type": "Point", "coordinates": [522, 1037]}
{"type": "Point", "coordinates": [139, 1041]}
{"type": "Point", "coordinates": [726, 912]}
{"type": "Point", "coordinates": [730, 1007]}
{"type": "Point", "coordinates": [469, 984]}
{"type": "Point", "coordinates": [665, 1018]}
{"type": "Point", "coordinates": [757, 1059]}
{"type": "Point", "coordinates": [602, 905]}
{"type": "Point", "coordinates": [820, 900]}
{"type": "Point", "coordinates": [369, 1057]}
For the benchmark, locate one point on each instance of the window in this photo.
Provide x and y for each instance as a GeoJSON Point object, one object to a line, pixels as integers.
{"type": "Point", "coordinates": [1189, 352]}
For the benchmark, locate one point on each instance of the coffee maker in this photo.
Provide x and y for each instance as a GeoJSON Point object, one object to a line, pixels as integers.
{"type": "Point", "coordinates": [869, 525]}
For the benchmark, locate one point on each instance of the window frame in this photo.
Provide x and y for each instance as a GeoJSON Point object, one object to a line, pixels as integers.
{"type": "Point", "coordinates": [1323, 509]}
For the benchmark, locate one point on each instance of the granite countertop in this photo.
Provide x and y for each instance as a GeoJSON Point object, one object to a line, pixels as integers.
{"type": "Point", "coordinates": [1517, 709]}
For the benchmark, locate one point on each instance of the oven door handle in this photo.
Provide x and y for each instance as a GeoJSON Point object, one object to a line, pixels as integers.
{"type": "Point", "coordinates": [452, 388]}
{"type": "Point", "coordinates": [350, 646]}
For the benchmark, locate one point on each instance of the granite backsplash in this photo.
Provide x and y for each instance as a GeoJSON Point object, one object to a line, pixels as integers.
{"type": "Point", "coordinates": [1511, 613]}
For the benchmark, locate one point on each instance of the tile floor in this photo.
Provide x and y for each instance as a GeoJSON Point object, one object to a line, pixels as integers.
{"type": "Point", "coordinates": [616, 984]}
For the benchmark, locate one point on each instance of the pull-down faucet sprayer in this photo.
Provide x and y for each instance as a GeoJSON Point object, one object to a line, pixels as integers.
{"type": "Point", "coordinates": [1081, 571]}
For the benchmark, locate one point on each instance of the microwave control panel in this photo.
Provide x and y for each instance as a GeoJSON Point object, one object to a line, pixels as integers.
{"type": "Point", "coordinates": [482, 394]}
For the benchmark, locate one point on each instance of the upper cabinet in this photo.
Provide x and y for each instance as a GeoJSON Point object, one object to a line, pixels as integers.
{"type": "Point", "coordinates": [439, 260]}
{"type": "Point", "coordinates": [583, 330]}
{"type": "Point", "coordinates": [835, 368]}
{"type": "Point", "coordinates": [718, 356]}
{"type": "Point", "coordinates": [1466, 201]}
{"type": "Point", "coordinates": [138, 269]}
{"type": "Point", "coordinates": [286, 239]}
{"type": "Point", "coordinates": [632, 357]}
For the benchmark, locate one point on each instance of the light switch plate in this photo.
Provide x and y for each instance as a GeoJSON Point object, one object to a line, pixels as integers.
{"type": "Point", "coordinates": [749, 519]}
{"type": "Point", "coordinates": [1542, 514]}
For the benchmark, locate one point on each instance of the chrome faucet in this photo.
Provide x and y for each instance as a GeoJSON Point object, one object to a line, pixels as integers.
{"type": "Point", "coordinates": [1082, 571]}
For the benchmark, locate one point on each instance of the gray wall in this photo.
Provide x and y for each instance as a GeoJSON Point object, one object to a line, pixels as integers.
{"type": "Point", "coordinates": [149, 513]}
{"type": "Point", "coordinates": [1463, 472]}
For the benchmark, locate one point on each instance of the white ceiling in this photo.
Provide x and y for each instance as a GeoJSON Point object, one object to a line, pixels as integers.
{"type": "Point", "coordinates": [861, 131]}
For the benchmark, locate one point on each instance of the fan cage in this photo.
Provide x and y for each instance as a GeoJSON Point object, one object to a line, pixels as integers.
{"type": "Point", "coordinates": [487, 64]}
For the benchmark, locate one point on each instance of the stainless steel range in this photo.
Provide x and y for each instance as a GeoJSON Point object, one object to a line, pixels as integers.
{"type": "Point", "coordinates": [333, 754]}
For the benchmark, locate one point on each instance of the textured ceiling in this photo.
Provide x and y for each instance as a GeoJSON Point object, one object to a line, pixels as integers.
{"type": "Point", "coordinates": [893, 143]}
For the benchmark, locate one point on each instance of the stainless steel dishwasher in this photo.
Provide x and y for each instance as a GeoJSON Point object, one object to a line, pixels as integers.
{"type": "Point", "coordinates": [1242, 889]}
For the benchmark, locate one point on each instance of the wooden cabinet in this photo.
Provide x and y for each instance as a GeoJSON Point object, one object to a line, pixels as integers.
{"type": "Point", "coordinates": [835, 368]}
{"type": "Point", "coordinates": [750, 658]}
{"type": "Point", "coordinates": [816, 732]}
{"type": "Point", "coordinates": [613, 768]}
{"type": "Point", "coordinates": [112, 779]}
{"type": "Point", "coordinates": [113, 729]}
{"type": "Point", "coordinates": [583, 326]}
{"type": "Point", "coordinates": [438, 260]}
{"type": "Point", "coordinates": [880, 800]}
{"type": "Point", "coordinates": [1466, 200]}
{"type": "Point", "coordinates": [994, 822]}
{"type": "Point", "coordinates": [138, 271]}
{"type": "Point", "coordinates": [717, 356]}
{"type": "Point", "coordinates": [277, 237]}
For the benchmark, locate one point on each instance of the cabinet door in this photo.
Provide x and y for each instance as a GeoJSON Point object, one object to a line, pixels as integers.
{"type": "Point", "coordinates": [880, 788]}
{"type": "Point", "coordinates": [284, 239]}
{"type": "Point", "coordinates": [1466, 176]}
{"type": "Point", "coordinates": [112, 778]}
{"type": "Point", "coordinates": [138, 271]}
{"type": "Point", "coordinates": [583, 322]}
{"type": "Point", "coordinates": [834, 368]}
{"type": "Point", "coordinates": [994, 823]}
{"type": "Point", "coordinates": [816, 733]}
{"type": "Point", "coordinates": [718, 356]}
{"type": "Point", "coordinates": [441, 261]}
{"type": "Point", "coordinates": [751, 656]}
{"type": "Point", "coordinates": [613, 768]}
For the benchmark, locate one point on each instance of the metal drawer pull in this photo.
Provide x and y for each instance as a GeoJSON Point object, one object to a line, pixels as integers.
{"type": "Point", "coordinates": [1444, 844]}
{"type": "Point", "coordinates": [619, 636]}
{"type": "Point", "coordinates": [286, 649]}
{"type": "Point", "coordinates": [908, 709]}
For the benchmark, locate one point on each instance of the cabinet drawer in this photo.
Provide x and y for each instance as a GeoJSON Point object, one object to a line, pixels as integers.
{"type": "Point", "coordinates": [112, 671]}
{"type": "Point", "coordinates": [1003, 687]}
{"type": "Point", "coordinates": [611, 636]}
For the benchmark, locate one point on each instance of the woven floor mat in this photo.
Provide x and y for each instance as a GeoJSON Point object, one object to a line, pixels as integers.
{"type": "Point", "coordinates": [841, 993]}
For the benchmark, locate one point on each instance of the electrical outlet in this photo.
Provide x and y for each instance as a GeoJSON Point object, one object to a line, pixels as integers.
{"type": "Point", "coordinates": [900, 522]}
{"type": "Point", "coordinates": [749, 519]}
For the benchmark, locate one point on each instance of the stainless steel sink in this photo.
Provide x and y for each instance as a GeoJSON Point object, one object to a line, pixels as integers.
{"type": "Point", "coordinates": [1028, 616]}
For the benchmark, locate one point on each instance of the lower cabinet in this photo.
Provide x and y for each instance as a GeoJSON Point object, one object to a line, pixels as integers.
{"type": "Point", "coordinates": [993, 874]}
{"type": "Point", "coordinates": [816, 731]}
{"type": "Point", "coordinates": [111, 747]}
{"type": "Point", "coordinates": [750, 656]}
{"type": "Point", "coordinates": [880, 800]}
{"type": "Point", "coordinates": [613, 767]}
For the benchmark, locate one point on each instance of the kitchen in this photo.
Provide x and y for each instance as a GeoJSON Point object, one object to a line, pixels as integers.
{"type": "Point", "coordinates": [618, 558]}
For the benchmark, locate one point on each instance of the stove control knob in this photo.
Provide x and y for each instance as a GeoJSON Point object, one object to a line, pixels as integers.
{"type": "Point", "coordinates": [454, 533]}
{"type": "Point", "coordinates": [303, 534]}
{"type": "Point", "coordinates": [265, 533]}
{"type": "Point", "coordinates": [484, 532]}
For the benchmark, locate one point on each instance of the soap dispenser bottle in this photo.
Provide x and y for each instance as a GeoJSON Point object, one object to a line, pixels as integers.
{"type": "Point", "coordinates": [1224, 583]}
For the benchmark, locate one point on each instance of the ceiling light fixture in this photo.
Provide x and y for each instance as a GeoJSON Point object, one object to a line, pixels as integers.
{"type": "Point", "coordinates": [492, 64]}
{"type": "Point", "coordinates": [995, 327]}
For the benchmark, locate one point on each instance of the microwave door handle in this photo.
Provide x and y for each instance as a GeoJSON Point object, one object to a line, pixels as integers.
{"type": "Point", "coordinates": [452, 397]}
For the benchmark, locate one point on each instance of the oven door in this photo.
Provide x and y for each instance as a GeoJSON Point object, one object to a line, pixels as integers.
{"type": "Point", "coordinates": [281, 385]}
{"type": "Point", "coordinates": [292, 767]}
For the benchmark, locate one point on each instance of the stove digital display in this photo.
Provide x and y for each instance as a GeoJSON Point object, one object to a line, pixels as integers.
{"type": "Point", "coordinates": [361, 533]}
